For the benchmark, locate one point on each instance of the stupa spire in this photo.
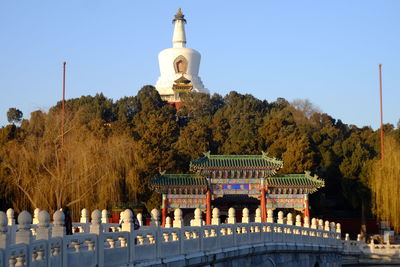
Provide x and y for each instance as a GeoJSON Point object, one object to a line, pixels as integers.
{"type": "Point", "coordinates": [179, 36]}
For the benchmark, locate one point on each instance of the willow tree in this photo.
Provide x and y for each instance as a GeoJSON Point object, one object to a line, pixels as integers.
{"type": "Point", "coordinates": [85, 172]}
{"type": "Point", "coordinates": [385, 184]}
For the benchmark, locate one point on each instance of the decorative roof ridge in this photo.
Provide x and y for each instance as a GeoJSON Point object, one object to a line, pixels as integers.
{"type": "Point", "coordinates": [264, 155]}
{"type": "Point", "coordinates": [290, 175]}
{"type": "Point", "coordinates": [182, 80]}
{"type": "Point", "coordinates": [173, 175]}
{"type": "Point", "coordinates": [305, 174]}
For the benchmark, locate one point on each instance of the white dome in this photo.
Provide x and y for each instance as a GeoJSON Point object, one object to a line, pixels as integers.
{"type": "Point", "coordinates": [178, 61]}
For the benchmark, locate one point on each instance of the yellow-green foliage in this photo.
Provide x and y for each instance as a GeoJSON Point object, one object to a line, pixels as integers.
{"type": "Point", "coordinates": [385, 184]}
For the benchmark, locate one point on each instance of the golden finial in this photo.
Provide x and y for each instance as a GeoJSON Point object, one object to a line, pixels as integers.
{"type": "Point", "coordinates": [179, 16]}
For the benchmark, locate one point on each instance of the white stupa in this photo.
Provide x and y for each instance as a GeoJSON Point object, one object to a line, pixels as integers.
{"type": "Point", "coordinates": [179, 66]}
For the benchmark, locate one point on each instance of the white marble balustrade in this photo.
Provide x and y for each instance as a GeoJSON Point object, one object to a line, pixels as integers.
{"type": "Point", "coordinates": [96, 242]}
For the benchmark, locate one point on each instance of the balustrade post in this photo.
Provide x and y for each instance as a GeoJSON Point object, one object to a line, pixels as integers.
{"type": "Point", "coordinates": [10, 217]}
{"type": "Point", "coordinates": [35, 219]}
{"type": "Point", "coordinates": [332, 227]}
{"type": "Point", "coordinates": [320, 224]}
{"type": "Point", "coordinates": [197, 221]}
{"type": "Point", "coordinates": [139, 217]}
{"type": "Point", "coordinates": [24, 234]}
{"type": "Point", "coordinates": [327, 228]}
{"type": "Point", "coordinates": [4, 240]}
{"type": "Point", "coordinates": [231, 216]}
{"type": "Point", "coordinates": [178, 220]}
{"type": "Point", "coordinates": [314, 223]}
{"type": "Point", "coordinates": [270, 216]}
{"type": "Point", "coordinates": [155, 218]}
{"type": "Point", "coordinates": [280, 217]}
{"type": "Point", "coordinates": [245, 215]}
{"type": "Point", "coordinates": [84, 216]}
{"type": "Point", "coordinates": [168, 222]}
{"type": "Point", "coordinates": [338, 231]}
{"type": "Point", "coordinates": [43, 231]}
{"type": "Point", "coordinates": [215, 217]}
{"type": "Point", "coordinates": [306, 222]}
{"type": "Point", "coordinates": [257, 217]}
{"type": "Point", "coordinates": [58, 224]}
{"type": "Point", "coordinates": [298, 220]}
{"type": "Point", "coordinates": [96, 227]}
{"type": "Point", "coordinates": [127, 221]}
{"type": "Point", "coordinates": [104, 216]}
{"type": "Point", "coordinates": [12, 227]}
{"type": "Point", "coordinates": [289, 219]}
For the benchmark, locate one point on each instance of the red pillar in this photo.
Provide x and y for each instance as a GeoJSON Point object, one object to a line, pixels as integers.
{"type": "Point", "coordinates": [164, 210]}
{"type": "Point", "coordinates": [262, 203]}
{"type": "Point", "coordinates": [208, 207]}
{"type": "Point", "coordinates": [306, 209]}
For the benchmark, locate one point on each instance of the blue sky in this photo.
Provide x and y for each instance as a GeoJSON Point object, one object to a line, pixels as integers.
{"type": "Point", "coordinates": [324, 51]}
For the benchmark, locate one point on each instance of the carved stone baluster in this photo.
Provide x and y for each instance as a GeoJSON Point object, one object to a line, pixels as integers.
{"type": "Point", "coordinates": [20, 259]}
{"type": "Point", "coordinates": [151, 239]}
{"type": "Point", "coordinates": [24, 234]}
{"type": "Point", "coordinates": [139, 217]}
{"type": "Point", "coordinates": [111, 242]}
{"type": "Point", "coordinates": [12, 261]}
{"type": "Point", "coordinates": [96, 227]}
{"type": "Point", "coordinates": [178, 220]}
{"type": "Point", "coordinates": [140, 239]}
{"type": "Point", "coordinates": [10, 217]}
{"type": "Point", "coordinates": [104, 216]}
{"type": "Point", "coordinates": [257, 217]}
{"type": "Point", "coordinates": [123, 242]}
{"type": "Point", "coordinates": [84, 216]}
{"type": "Point", "coordinates": [197, 221]}
{"type": "Point", "coordinates": [166, 237]}
{"type": "Point", "coordinates": [231, 216]}
{"type": "Point", "coordinates": [175, 236]}
{"type": "Point", "coordinates": [40, 254]}
{"type": "Point", "coordinates": [90, 245]}
{"type": "Point", "coordinates": [127, 221]}
{"type": "Point", "coordinates": [215, 217]}
{"type": "Point", "coordinates": [187, 235]}
{"type": "Point", "coordinates": [155, 218]}
{"type": "Point", "coordinates": [245, 215]}
{"type": "Point", "coordinates": [35, 219]}
{"type": "Point", "coordinates": [270, 217]}
{"type": "Point", "coordinates": [213, 232]}
{"type": "Point", "coordinates": [43, 231]}
{"type": "Point", "coordinates": [4, 241]}
{"type": "Point", "coordinates": [58, 229]}
{"type": "Point", "coordinates": [168, 222]}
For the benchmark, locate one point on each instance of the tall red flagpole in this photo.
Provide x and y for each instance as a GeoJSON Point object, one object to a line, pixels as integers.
{"type": "Point", "coordinates": [63, 105]}
{"type": "Point", "coordinates": [381, 108]}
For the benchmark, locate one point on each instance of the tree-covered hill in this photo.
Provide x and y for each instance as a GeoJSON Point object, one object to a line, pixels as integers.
{"type": "Point", "coordinates": [112, 149]}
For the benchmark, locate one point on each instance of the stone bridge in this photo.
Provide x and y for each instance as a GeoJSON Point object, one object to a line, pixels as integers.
{"type": "Point", "coordinates": [98, 243]}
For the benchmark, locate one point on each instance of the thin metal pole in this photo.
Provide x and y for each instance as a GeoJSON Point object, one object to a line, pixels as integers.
{"type": "Point", "coordinates": [63, 105]}
{"type": "Point", "coordinates": [380, 90]}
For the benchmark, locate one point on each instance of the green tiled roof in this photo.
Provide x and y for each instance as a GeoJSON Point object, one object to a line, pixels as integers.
{"type": "Point", "coordinates": [236, 161]}
{"type": "Point", "coordinates": [295, 180]}
{"type": "Point", "coordinates": [178, 180]}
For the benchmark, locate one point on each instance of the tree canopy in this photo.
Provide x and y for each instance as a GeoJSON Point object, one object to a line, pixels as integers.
{"type": "Point", "coordinates": [113, 148]}
{"type": "Point", "coordinates": [14, 115]}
